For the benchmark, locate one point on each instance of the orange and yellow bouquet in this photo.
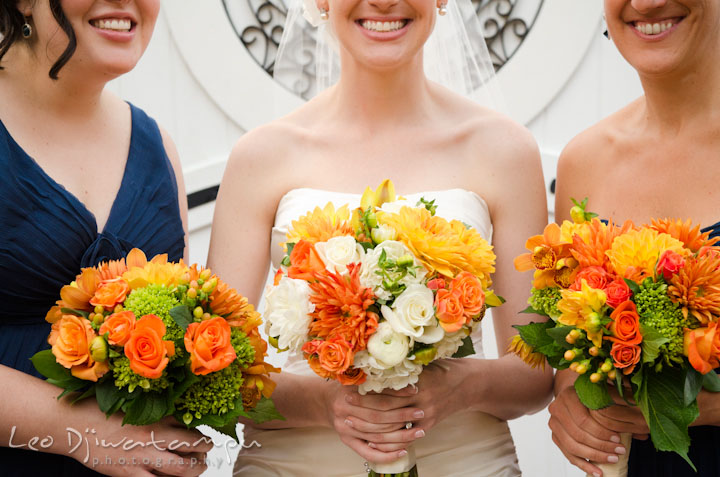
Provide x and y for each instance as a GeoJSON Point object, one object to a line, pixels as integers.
{"type": "Point", "coordinates": [637, 307]}
{"type": "Point", "coordinates": [154, 339]}
{"type": "Point", "coordinates": [371, 295]}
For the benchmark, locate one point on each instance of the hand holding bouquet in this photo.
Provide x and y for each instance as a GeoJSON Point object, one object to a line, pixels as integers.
{"type": "Point", "coordinates": [634, 306]}
{"type": "Point", "coordinates": [154, 339]}
{"type": "Point", "coordinates": [370, 297]}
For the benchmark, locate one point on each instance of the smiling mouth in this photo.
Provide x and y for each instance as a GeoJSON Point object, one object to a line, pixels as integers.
{"type": "Point", "coordinates": [383, 27]}
{"type": "Point", "coordinates": [656, 28]}
{"type": "Point", "coordinates": [113, 24]}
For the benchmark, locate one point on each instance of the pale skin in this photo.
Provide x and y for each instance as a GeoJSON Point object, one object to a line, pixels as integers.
{"type": "Point", "coordinates": [655, 158]}
{"type": "Point", "coordinates": [79, 134]}
{"type": "Point", "coordinates": [385, 120]}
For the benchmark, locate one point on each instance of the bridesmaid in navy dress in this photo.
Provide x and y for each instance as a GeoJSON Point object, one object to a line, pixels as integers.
{"type": "Point", "coordinates": [657, 157]}
{"type": "Point", "coordinates": [85, 178]}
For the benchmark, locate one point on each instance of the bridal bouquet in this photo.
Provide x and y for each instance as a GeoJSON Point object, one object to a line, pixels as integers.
{"type": "Point", "coordinates": [634, 306]}
{"type": "Point", "coordinates": [371, 296]}
{"type": "Point", "coordinates": [154, 339]}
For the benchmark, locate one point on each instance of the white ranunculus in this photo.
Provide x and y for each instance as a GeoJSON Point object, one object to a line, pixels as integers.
{"type": "Point", "coordinates": [393, 251]}
{"type": "Point", "coordinates": [338, 252]}
{"type": "Point", "coordinates": [312, 13]}
{"type": "Point", "coordinates": [412, 311]}
{"type": "Point", "coordinates": [287, 313]}
{"type": "Point", "coordinates": [432, 333]}
{"type": "Point", "coordinates": [394, 207]}
{"type": "Point", "coordinates": [399, 376]}
{"type": "Point", "coordinates": [387, 346]}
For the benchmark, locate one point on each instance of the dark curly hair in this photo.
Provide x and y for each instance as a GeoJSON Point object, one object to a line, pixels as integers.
{"type": "Point", "coordinates": [11, 22]}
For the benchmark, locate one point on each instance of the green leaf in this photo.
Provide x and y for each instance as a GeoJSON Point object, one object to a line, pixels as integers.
{"type": "Point", "coordinates": [711, 382]}
{"type": "Point", "coordinates": [634, 287]}
{"type": "Point", "coordinates": [73, 311]}
{"type": "Point", "coordinates": [108, 395]}
{"type": "Point", "coordinates": [693, 385]}
{"type": "Point", "coordinates": [532, 311]}
{"type": "Point", "coordinates": [264, 411]}
{"type": "Point", "coordinates": [559, 333]}
{"type": "Point", "coordinates": [536, 334]}
{"type": "Point", "coordinates": [45, 364]}
{"type": "Point", "coordinates": [88, 393]}
{"type": "Point", "coordinates": [592, 395]}
{"type": "Point", "coordinates": [147, 408]}
{"type": "Point", "coordinates": [652, 340]}
{"type": "Point", "coordinates": [182, 316]}
{"type": "Point", "coordinates": [466, 349]}
{"type": "Point", "coordinates": [661, 399]}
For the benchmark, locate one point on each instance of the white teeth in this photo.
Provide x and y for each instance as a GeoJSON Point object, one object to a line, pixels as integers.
{"type": "Point", "coordinates": [653, 28]}
{"type": "Point", "coordinates": [115, 24]}
{"type": "Point", "coordinates": [382, 26]}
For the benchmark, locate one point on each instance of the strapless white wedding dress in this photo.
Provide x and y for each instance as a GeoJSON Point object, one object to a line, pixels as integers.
{"type": "Point", "coordinates": [467, 443]}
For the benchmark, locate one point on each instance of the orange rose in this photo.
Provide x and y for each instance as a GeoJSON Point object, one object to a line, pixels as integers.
{"type": "Point", "coordinates": [70, 340]}
{"type": "Point", "coordinates": [625, 356]}
{"type": "Point", "coordinates": [118, 326]}
{"type": "Point", "coordinates": [436, 283]}
{"type": "Point", "coordinates": [596, 277]}
{"type": "Point", "coordinates": [472, 296]}
{"type": "Point", "coordinates": [449, 310]}
{"type": "Point", "coordinates": [110, 293]}
{"type": "Point", "coordinates": [146, 350]}
{"type": "Point", "coordinates": [352, 377]}
{"type": "Point", "coordinates": [335, 355]}
{"type": "Point", "coordinates": [625, 325]}
{"type": "Point", "coordinates": [208, 343]}
{"type": "Point", "coordinates": [702, 347]}
{"type": "Point", "coordinates": [304, 261]}
{"type": "Point", "coordinates": [617, 292]}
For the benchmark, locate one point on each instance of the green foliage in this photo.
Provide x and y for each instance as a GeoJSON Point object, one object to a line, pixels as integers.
{"type": "Point", "coordinates": [213, 393]}
{"type": "Point", "coordinates": [182, 316]}
{"type": "Point", "coordinates": [264, 411]}
{"type": "Point", "coordinates": [592, 395]}
{"type": "Point", "coordinates": [428, 204]}
{"type": "Point", "coordinates": [126, 378]}
{"type": "Point", "coordinates": [156, 300]}
{"type": "Point", "coordinates": [148, 409]}
{"type": "Point", "coordinates": [466, 349]}
{"type": "Point", "coordinates": [651, 343]}
{"type": "Point", "coordinates": [45, 363]}
{"type": "Point", "coordinates": [711, 382]}
{"type": "Point", "coordinates": [545, 301]}
{"type": "Point", "coordinates": [693, 385]}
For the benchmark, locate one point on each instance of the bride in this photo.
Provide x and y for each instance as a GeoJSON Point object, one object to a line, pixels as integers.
{"type": "Point", "coordinates": [384, 118]}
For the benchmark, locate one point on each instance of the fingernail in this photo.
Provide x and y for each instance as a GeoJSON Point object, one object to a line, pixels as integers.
{"type": "Point", "coordinates": [615, 439]}
{"type": "Point", "coordinates": [348, 423]}
{"type": "Point", "coordinates": [420, 433]}
{"type": "Point", "coordinates": [371, 444]}
{"type": "Point", "coordinates": [613, 459]}
{"type": "Point", "coordinates": [349, 399]}
{"type": "Point", "coordinates": [402, 453]}
{"type": "Point", "coordinates": [620, 450]}
{"type": "Point", "coordinates": [595, 474]}
{"type": "Point", "coordinates": [419, 414]}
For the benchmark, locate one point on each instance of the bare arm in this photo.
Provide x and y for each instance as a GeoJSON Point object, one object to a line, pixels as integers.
{"type": "Point", "coordinates": [172, 153]}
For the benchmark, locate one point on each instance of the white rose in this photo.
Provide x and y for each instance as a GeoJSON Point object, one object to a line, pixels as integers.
{"type": "Point", "coordinates": [387, 346]}
{"type": "Point", "coordinates": [412, 312]}
{"type": "Point", "coordinates": [394, 207]}
{"type": "Point", "coordinates": [393, 251]}
{"type": "Point", "coordinates": [338, 252]}
{"type": "Point", "coordinates": [287, 313]}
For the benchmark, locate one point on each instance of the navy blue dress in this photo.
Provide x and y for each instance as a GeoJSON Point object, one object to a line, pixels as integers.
{"type": "Point", "coordinates": [47, 235]}
{"type": "Point", "coordinates": [645, 461]}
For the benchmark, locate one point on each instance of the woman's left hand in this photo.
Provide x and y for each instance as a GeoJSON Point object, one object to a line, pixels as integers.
{"type": "Point", "coordinates": [622, 417]}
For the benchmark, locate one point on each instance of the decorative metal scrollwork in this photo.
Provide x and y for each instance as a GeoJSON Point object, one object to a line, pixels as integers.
{"type": "Point", "coordinates": [259, 26]}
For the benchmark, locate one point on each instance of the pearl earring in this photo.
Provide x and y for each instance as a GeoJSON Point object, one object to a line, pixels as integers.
{"type": "Point", "coordinates": [442, 9]}
{"type": "Point", "coordinates": [324, 15]}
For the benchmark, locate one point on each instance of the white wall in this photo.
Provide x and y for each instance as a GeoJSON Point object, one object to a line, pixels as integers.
{"type": "Point", "coordinates": [164, 86]}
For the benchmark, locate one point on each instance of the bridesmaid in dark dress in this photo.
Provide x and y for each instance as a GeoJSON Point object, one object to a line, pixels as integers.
{"type": "Point", "coordinates": [85, 178]}
{"type": "Point", "coordinates": [657, 157]}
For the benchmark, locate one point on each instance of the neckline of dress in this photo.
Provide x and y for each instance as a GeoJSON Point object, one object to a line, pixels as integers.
{"type": "Point", "coordinates": [61, 188]}
{"type": "Point", "coordinates": [355, 194]}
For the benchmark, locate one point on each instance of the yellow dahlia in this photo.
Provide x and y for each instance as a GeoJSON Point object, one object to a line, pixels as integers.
{"type": "Point", "coordinates": [696, 287]}
{"type": "Point", "coordinates": [684, 232]}
{"type": "Point", "coordinates": [526, 353]}
{"type": "Point", "coordinates": [320, 225]}
{"type": "Point", "coordinates": [157, 271]}
{"type": "Point", "coordinates": [568, 230]}
{"type": "Point", "coordinates": [583, 308]}
{"type": "Point", "coordinates": [481, 258]}
{"type": "Point", "coordinates": [639, 251]}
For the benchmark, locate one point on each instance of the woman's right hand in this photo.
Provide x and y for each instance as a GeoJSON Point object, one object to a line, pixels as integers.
{"type": "Point", "coordinates": [166, 447]}
{"type": "Point", "coordinates": [580, 437]}
{"type": "Point", "coordinates": [373, 425]}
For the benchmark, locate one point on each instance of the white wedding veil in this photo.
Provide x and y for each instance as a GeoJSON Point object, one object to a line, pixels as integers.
{"type": "Point", "coordinates": [455, 55]}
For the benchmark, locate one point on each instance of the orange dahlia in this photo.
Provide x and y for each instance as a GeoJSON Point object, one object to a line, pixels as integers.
{"type": "Point", "coordinates": [341, 307]}
{"type": "Point", "coordinates": [235, 308]}
{"type": "Point", "coordinates": [684, 232]}
{"type": "Point", "coordinates": [111, 269]}
{"type": "Point", "coordinates": [321, 225]}
{"type": "Point", "coordinates": [589, 250]}
{"type": "Point", "coordinates": [696, 287]}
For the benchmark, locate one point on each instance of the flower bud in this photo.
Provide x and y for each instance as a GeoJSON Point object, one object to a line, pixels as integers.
{"type": "Point", "coordinates": [145, 384]}
{"type": "Point", "coordinates": [194, 284]}
{"type": "Point", "coordinates": [187, 418]}
{"type": "Point", "coordinates": [118, 308]}
{"type": "Point", "coordinates": [425, 355]}
{"type": "Point", "coordinates": [275, 343]}
{"type": "Point", "coordinates": [198, 312]}
{"type": "Point", "coordinates": [593, 321]}
{"type": "Point", "coordinates": [97, 318]}
{"type": "Point", "coordinates": [206, 316]}
{"type": "Point", "coordinates": [99, 309]}
{"type": "Point", "coordinates": [594, 351]}
{"type": "Point", "coordinates": [596, 377]}
{"type": "Point", "coordinates": [200, 282]}
{"type": "Point", "coordinates": [185, 279]}
{"type": "Point", "coordinates": [372, 219]}
{"type": "Point", "coordinates": [206, 274]}
{"type": "Point", "coordinates": [612, 374]}
{"type": "Point", "coordinates": [577, 214]}
{"type": "Point", "coordinates": [569, 355]}
{"type": "Point", "coordinates": [192, 293]}
{"type": "Point", "coordinates": [382, 233]}
{"type": "Point", "coordinates": [208, 287]}
{"type": "Point", "coordinates": [606, 367]}
{"type": "Point", "coordinates": [405, 261]}
{"type": "Point", "coordinates": [574, 365]}
{"type": "Point", "coordinates": [581, 369]}
{"type": "Point", "coordinates": [99, 349]}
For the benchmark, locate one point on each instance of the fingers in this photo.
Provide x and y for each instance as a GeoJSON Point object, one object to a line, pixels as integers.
{"type": "Point", "coordinates": [189, 465]}
{"type": "Point", "coordinates": [387, 447]}
{"type": "Point", "coordinates": [398, 416]}
{"type": "Point", "coordinates": [407, 391]}
{"type": "Point", "coordinates": [379, 402]}
{"type": "Point", "coordinates": [622, 419]}
{"type": "Point", "coordinates": [402, 436]}
{"type": "Point", "coordinates": [582, 464]}
{"type": "Point", "coordinates": [370, 454]}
